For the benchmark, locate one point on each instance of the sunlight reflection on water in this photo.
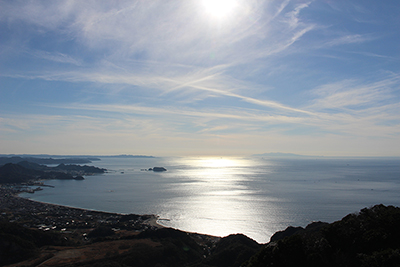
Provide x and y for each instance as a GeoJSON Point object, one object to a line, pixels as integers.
{"type": "Point", "coordinates": [219, 201]}
{"type": "Point", "coordinates": [222, 196]}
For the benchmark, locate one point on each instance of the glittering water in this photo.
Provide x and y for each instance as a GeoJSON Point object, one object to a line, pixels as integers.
{"type": "Point", "coordinates": [221, 196]}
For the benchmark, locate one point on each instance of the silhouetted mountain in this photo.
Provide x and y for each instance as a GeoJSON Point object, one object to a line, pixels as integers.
{"type": "Point", "coordinates": [370, 238]}
{"type": "Point", "coordinates": [178, 248]}
{"type": "Point", "coordinates": [312, 227]}
{"type": "Point", "coordinates": [232, 251]}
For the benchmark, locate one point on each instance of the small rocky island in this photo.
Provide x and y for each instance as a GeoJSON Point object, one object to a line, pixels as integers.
{"type": "Point", "coordinates": [158, 169]}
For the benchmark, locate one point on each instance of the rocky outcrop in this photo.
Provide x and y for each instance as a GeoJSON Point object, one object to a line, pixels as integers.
{"type": "Point", "coordinates": [158, 169]}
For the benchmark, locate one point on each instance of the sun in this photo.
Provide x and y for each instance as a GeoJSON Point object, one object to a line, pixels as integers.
{"type": "Point", "coordinates": [219, 8]}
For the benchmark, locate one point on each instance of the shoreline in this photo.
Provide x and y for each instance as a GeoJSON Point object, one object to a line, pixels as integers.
{"type": "Point", "coordinates": [148, 221]}
{"type": "Point", "coordinates": [33, 213]}
{"type": "Point", "coordinates": [152, 221]}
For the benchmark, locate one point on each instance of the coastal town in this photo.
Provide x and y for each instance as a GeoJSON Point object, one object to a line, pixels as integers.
{"type": "Point", "coordinates": [86, 236]}
{"type": "Point", "coordinates": [74, 223]}
{"type": "Point", "coordinates": [43, 216]}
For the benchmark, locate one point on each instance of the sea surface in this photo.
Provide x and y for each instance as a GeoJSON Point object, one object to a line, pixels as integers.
{"type": "Point", "coordinates": [222, 196]}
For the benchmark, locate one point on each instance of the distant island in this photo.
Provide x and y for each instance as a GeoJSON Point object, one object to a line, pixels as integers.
{"type": "Point", "coordinates": [279, 155]}
{"type": "Point", "coordinates": [283, 155]}
{"type": "Point", "coordinates": [158, 169]}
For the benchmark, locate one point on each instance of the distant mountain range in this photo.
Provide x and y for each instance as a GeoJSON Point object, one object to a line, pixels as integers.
{"type": "Point", "coordinates": [69, 157]}
{"type": "Point", "coordinates": [297, 156]}
{"type": "Point", "coordinates": [284, 155]}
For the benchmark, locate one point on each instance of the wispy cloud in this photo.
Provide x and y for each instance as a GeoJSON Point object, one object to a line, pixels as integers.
{"type": "Point", "coordinates": [359, 108]}
{"type": "Point", "coordinates": [164, 30]}
{"type": "Point", "coordinates": [351, 94]}
{"type": "Point", "coordinates": [154, 67]}
{"type": "Point", "coordinates": [350, 39]}
{"type": "Point", "coordinates": [293, 16]}
{"type": "Point", "coordinates": [56, 57]}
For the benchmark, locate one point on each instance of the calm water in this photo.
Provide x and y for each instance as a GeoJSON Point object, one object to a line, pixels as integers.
{"type": "Point", "coordinates": [221, 196]}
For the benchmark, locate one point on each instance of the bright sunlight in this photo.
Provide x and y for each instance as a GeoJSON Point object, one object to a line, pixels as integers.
{"type": "Point", "coordinates": [219, 8]}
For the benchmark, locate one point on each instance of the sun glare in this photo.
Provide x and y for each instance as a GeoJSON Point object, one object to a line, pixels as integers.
{"type": "Point", "coordinates": [219, 8]}
{"type": "Point", "coordinates": [219, 162]}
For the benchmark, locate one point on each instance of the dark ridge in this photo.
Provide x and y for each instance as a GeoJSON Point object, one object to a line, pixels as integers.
{"type": "Point", "coordinates": [369, 238]}
{"type": "Point", "coordinates": [78, 168]}
{"type": "Point", "coordinates": [312, 227]}
{"type": "Point", "coordinates": [14, 173]}
{"type": "Point", "coordinates": [232, 251]}
{"type": "Point", "coordinates": [27, 171]}
{"type": "Point", "coordinates": [32, 166]}
{"type": "Point", "coordinates": [18, 243]}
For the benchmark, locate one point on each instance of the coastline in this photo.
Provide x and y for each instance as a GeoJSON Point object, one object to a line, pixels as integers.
{"type": "Point", "coordinates": [35, 214]}
{"type": "Point", "coordinates": [153, 222]}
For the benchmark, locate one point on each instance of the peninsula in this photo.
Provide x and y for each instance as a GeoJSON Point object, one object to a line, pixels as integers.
{"type": "Point", "coordinates": [28, 171]}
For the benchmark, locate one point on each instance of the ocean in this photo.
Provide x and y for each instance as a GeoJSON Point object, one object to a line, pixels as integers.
{"type": "Point", "coordinates": [222, 196]}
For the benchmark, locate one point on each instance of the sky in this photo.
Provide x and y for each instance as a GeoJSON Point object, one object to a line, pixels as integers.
{"type": "Point", "coordinates": [200, 77]}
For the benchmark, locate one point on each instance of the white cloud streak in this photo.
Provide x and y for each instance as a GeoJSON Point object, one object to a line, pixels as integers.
{"type": "Point", "coordinates": [350, 39]}
{"type": "Point", "coordinates": [56, 57]}
{"type": "Point", "coordinates": [169, 50]}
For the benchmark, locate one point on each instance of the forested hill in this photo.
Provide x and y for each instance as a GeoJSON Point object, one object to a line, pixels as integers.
{"type": "Point", "coordinates": [27, 171]}
{"type": "Point", "coordinates": [369, 238]}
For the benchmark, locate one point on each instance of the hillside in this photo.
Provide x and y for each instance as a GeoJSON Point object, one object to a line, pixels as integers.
{"type": "Point", "coordinates": [48, 160]}
{"type": "Point", "coordinates": [15, 173]}
{"type": "Point", "coordinates": [369, 238]}
{"type": "Point", "coordinates": [25, 171]}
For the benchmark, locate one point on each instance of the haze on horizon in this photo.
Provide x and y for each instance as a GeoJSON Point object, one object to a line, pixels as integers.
{"type": "Point", "coordinates": [197, 77]}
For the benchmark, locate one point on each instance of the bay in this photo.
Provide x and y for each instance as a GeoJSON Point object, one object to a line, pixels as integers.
{"type": "Point", "coordinates": [222, 196]}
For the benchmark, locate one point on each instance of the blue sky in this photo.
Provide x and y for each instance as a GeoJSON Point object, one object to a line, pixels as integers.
{"type": "Point", "coordinates": [197, 77]}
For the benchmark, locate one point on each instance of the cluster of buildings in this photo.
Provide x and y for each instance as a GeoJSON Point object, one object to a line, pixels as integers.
{"type": "Point", "coordinates": [46, 217]}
